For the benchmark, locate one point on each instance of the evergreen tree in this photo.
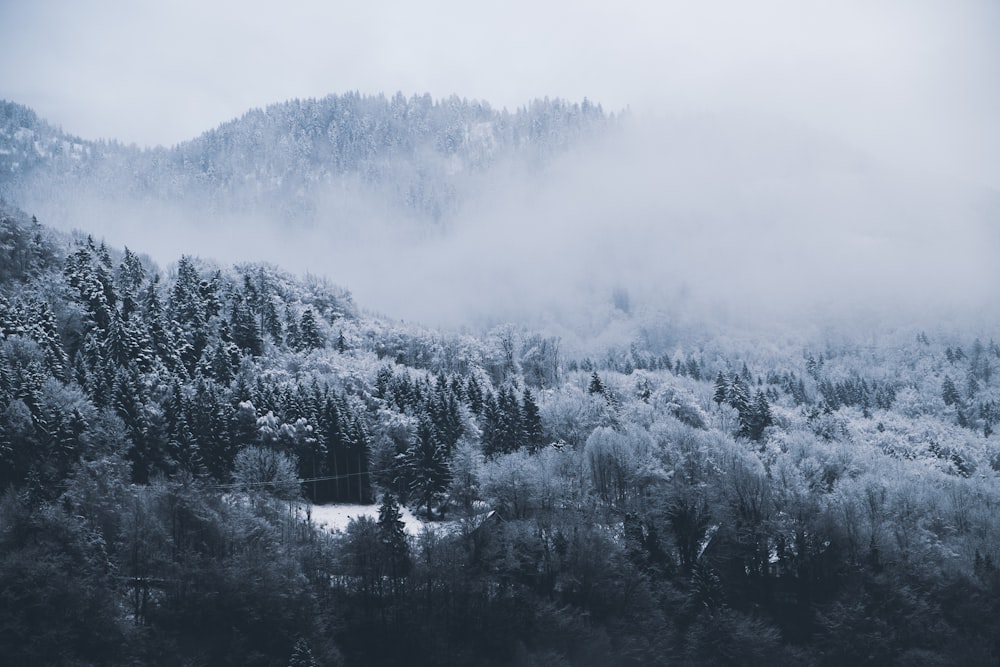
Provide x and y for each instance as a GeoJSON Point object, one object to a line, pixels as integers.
{"type": "Point", "coordinates": [117, 346]}
{"type": "Point", "coordinates": [302, 655]}
{"type": "Point", "coordinates": [183, 451]}
{"type": "Point", "coordinates": [739, 397]}
{"type": "Point", "coordinates": [189, 316]}
{"type": "Point", "coordinates": [971, 385]}
{"type": "Point", "coordinates": [949, 393]}
{"type": "Point", "coordinates": [490, 426]}
{"type": "Point", "coordinates": [382, 379]}
{"type": "Point", "coordinates": [131, 273]}
{"type": "Point", "coordinates": [309, 337]}
{"type": "Point", "coordinates": [260, 292]}
{"type": "Point", "coordinates": [243, 329]}
{"type": "Point", "coordinates": [93, 287]}
{"type": "Point", "coordinates": [209, 291]}
{"type": "Point", "coordinates": [721, 389]}
{"type": "Point", "coordinates": [427, 465]}
{"type": "Point", "coordinates": [509, 427]}
{"type": "Point", "coordinates": [759, 417]}
{"type": "Point", "coordinates": [693, 368]}
{"type": "Point", "coordinates": [445, 414]}
{"type": "Point", "coordinates": [333, 428]}
{"type": "Point", "coordinates": [358, 458]}
{"type": "Point", "coordinates": [474, 394]}
{"type": "Point", "coordinates": [161, 340]}
{"type": "Point", "coordinates": [595, 386]}
{"type": "Point", "coordinates": [208, 420]}
{"type": "Point", "coordinates": [129, 402]}
{"type": "Point", "coordinates": [101, 371]}
{"type": "Point", "coordinates": [292, 340]}
{"type": "Point", "coordinates": [392, 536]}
{"type": "Point", "coordinates": [532, 421]}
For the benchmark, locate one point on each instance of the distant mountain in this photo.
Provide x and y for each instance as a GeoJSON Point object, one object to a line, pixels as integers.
{"type": "Point", "coordinates": [415, 156]}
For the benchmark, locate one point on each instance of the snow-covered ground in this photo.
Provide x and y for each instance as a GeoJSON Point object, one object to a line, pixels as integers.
{"type": "Point", "coordinates": [336, 517]}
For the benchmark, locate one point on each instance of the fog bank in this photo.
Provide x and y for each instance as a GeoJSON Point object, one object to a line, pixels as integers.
{"type": "Point", "coordinates": [742, 220]}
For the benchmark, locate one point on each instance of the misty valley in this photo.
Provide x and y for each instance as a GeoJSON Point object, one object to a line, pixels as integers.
{"type": "Point", "coordinates": [371, 380]}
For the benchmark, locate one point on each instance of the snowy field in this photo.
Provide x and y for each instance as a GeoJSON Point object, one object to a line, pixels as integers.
{"type": "Point", "coordinates": [336, 517]}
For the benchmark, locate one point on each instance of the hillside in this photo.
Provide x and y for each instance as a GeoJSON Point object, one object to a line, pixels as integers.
{"type": "Point", "coordinates": [815, 499]}
{"type": "Point", "coordinates": [298, 160]}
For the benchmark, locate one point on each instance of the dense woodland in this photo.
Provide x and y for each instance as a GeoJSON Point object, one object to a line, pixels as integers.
{"type": "Point", "coordinates": [165, 432]}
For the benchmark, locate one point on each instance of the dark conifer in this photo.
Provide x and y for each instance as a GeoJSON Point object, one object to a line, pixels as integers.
{"type": "Point", "coordinates": [310, 337]}
{"type": "Point", "coordinates": [595, 386]}
{"type": "Point", "coordinates": [721, 389]}
{"type": "Point", "coordinates": [532, 421]}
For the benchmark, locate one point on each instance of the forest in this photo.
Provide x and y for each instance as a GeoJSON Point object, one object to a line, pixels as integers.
{"type": "Point", "coordinates": [166, 433]}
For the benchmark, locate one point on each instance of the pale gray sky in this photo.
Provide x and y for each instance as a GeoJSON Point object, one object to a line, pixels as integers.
{"type": "Point", "coordinates": [917, 81]}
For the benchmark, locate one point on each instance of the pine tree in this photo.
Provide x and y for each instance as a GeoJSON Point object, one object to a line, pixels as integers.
{"type": "Point", "coordinates": [85, 276]}
{"type": "Point", "coordinates": [595, 386]}
{"type": "Point", "coordinates": [812, 367]}
{"type": "Point", "coordinates": [310, 337]}
{"type": "Point", "coordinates": [474, 394]}
{"type": "Point", "coordinates": [394, 543]}
{"type": "Point", "coordinates": [949, 393]}
{"type": "Point", "coordinates": [382, 379]}
{"type": "Point", "coordinates": [971, 385]}
{"type": "Point", "coordinates": [302, 655]}
{"type": "Point", "coordinates": [693, 368]}
{"type": "Point", "coordinates": [117, 347]}
{"type": "Point", "coordinates": [101, 370]}
{"type": "Point", "coordinates": [243, 329]}
{"type": "Point", "coordinates": [161, 341]}
{"type": "Point", "coordinates": [532, 421]}
{"type": "Point", "coordinates": [490, 425]}
{"type": "Point", "coordinates": [189, 316]}
{"type": "Point", "coordinates": [358, 458]}
{"type": "Point", "coordinates": [258, 291]}
{"type": "Point", "coordinates": [427, 464]}
{"type": "Point", "coordinates": [183, 451]}
{"type": "Point", "coordinates": [129, 279]}
{"type": "Point", "coordinates": [760, 417]}
{"type": "Point", "coordinates": [721, 389]}
{"type": "Point", "coordinates": [41, 323]}
{"type": "Point", "coordinates": [291, 329]}
{"type": "Point", "coordinates": [739, 397]}
{"type": "Point", "coordinates": [128, 402]}
{"type": "Point", "coordinates": [509, 429]}
{"type": "Point", "coordinates": [333, 426]}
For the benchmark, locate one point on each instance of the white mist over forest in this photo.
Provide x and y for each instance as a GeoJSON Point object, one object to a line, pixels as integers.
{"type": "Point", "coordinates": [742, 220]}
{"type": "Point", "coordinates": [778, 160]}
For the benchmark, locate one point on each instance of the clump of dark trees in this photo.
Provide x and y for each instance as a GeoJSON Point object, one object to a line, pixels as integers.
{"type": "Point", "coordinates": [162, 438]}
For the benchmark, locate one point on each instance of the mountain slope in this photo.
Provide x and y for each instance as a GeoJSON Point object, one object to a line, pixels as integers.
{"type": "Point", "coordinates": [291, 159]}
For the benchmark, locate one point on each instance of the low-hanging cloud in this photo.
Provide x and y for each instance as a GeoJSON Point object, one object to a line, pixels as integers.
{"type": "Point", "coordinates": [743, 220]}
{"type": "Point", "coordinates": [742, 216]}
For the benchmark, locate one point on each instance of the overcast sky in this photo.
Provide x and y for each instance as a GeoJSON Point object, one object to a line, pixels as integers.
{"type": "Point", "coordinates": [916, 81]}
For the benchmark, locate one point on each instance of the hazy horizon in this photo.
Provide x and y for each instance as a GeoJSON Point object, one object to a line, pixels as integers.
{"type": "Point", "coordinates": [780, 158]}
{"type": "Point", "coordinates": [909, 82]}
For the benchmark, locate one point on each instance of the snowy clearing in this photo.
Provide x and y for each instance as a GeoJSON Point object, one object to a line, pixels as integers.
{"type": "Point", "coordinates": [336, 517]}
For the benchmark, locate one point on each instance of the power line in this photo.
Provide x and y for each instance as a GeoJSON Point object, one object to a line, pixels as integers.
{"type": "Point", "coordinates": [238, 485]}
